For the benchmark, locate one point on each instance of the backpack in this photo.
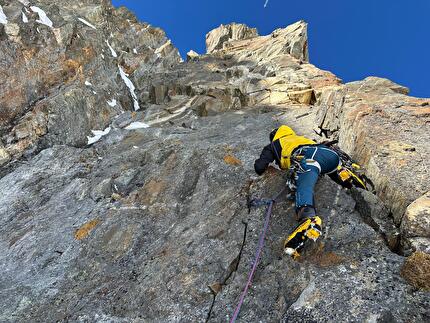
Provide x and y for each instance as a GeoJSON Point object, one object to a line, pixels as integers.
{"type": "Point", "coordinates": [288, 141]}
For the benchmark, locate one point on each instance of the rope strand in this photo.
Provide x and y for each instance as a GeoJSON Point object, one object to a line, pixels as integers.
{"type": "Point", "coordinates": [259, 249]}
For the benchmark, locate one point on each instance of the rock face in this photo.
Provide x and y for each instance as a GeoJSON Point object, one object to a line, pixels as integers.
{"type": "Point", "coordinates": [150, 221]}
{"type": "Point", "coordinates": [386, 131]}
{"type": "Point", "coordinates": [63, 76]}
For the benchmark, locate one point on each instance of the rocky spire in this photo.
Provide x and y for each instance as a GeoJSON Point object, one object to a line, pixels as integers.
{"type": "Point", "coordinates": [216, 38]}
{"type": "Point", "coordinates": [292, 40]}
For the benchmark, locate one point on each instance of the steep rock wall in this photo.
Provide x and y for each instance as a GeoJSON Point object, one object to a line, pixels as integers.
{"type": "Point", "coordinates": [149, 222]}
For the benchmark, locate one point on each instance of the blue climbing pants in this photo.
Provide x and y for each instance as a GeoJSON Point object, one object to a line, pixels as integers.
{"type": "Point", "coordinates": [317, 160]}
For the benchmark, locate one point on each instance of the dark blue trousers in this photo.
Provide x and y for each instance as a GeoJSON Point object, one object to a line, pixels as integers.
{"type": "Point", "coordinates": [318, 160]}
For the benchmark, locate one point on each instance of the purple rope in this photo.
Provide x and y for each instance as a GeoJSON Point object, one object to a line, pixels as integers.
{"type": "Point", "coordinates": [257, 258]}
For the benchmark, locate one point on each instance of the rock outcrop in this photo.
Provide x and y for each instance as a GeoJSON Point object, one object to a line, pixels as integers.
{"type": "Point", "coordinates": [387, 131]}
{"type": "Point", "coordinates": [125, 175]}
{"type": "Point", "coordinates": [216, 39]}
{"type": "Point", "coordinates": [192, 55]}
{"type": "Point", "coordinates": [416, 224]}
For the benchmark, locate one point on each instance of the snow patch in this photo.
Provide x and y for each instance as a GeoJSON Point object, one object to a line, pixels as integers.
{"type": "Point", "coordinates": [87, 23]}
{"type": "Point", "coordinates": [24, 18]}
{"type": "Point", "coordinates": [103, 56]}
{"type": "Point", "coordinates": [43, 18]}
{"type": "Point", "coordinates": [130, 86]}
{"type": "Point", "coordinates": [3, 18]}
{"type": "Point", "coordinates": [97, 135]}
{"type": "Point", "coordinates": [88, 83]}
{"type": "Point", "coordinates": [112, 103]}
{"type": "Point", "coordinates": [136, 125]}
{"type": "Point", "coordinates": [111, 49]}
{"type": "Point", "coordinates": [24, 2]}
{"type": "Point", "coordinates": [135, 50]}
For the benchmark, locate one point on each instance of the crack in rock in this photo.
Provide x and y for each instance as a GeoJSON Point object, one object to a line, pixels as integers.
{"type": "Point", "coordinates": [231, 269]}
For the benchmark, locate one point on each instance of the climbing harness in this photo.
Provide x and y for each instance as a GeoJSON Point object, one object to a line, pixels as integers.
{"type": "Point", "coordinates": [257, 203]}
{"type": "Point", "coordinates": [348, 173]}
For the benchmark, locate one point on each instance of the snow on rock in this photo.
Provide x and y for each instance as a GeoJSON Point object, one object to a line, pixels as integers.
{"type": "Point", "coordinates": [112, 103]}
{"type": "Point", "coordinates": [97, 135]}
{"type": "Point", "coordinates": [131, 87]}
{"type": "Point", "coordinates": [3, 18]}
{"type": "Point", "coordinates": [136, 125]}
{"type": "Point", "coordinates": [24, 2]}
{"type": "Point", "coordinates": [111, 49]}
{"type": "Point", "coordinates": [173, 115]}
{"type": "Point", "coordinates": [43, 18]}
{"type": "Point", "coordinates": [24, 18]}
{"type": "Point", "coordinates": [87, 23]}
{"type": "Point", "coordinates": [88, 83]}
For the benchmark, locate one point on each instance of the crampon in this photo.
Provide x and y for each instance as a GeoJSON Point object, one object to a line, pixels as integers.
{"type": "Point", "coordinates": [310, 228]}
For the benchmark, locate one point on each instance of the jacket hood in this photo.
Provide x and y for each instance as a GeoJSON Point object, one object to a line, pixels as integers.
{"type": "Point", "coordinates": [283, 131]}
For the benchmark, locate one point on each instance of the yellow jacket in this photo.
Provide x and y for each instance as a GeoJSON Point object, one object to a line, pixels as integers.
{"type": "Point", "coordinates": [289, 141]}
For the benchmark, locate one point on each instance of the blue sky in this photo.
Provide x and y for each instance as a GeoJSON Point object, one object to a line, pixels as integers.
{"type": "Point", "coordinates": [351, 38]}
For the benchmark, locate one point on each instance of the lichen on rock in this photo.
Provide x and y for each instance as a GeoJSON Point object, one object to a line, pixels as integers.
{"type": "Point", "coordinates": [416, 270]}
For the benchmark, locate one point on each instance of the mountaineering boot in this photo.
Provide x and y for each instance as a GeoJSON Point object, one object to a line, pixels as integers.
{"type": "Point", "coordinates": [309, 228]}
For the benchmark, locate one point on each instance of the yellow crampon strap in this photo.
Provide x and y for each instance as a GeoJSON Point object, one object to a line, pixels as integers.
{"type": "Point", "coordinates": [346, 175]}
{"type": "Point", "coordinates": [313, 233]}
{"type": "Point", "coordinates": [308, 229]}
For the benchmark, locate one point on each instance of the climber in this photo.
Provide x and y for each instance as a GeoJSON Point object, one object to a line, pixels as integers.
{"type": "Point", "coordinates": [306, 160]}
